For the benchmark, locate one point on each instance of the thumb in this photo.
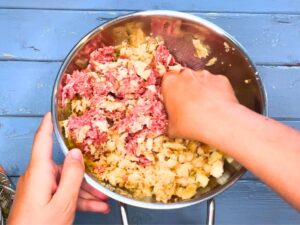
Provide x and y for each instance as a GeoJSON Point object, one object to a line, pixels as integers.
{"type": "Point", "coordinates": [70, 180]}
{"type": "Point", "coordinates": [42, 144]}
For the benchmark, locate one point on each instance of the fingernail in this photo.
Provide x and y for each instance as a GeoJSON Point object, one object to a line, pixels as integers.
{"type": "Point", "coordinates": [107, 211]}
{"type": "Point", "coordinates": [47, 116]}
{"type": "Point", "coordinates": [76, 154]}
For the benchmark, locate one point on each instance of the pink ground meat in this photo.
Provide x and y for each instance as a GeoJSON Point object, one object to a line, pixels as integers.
{"type": "Point", "coordinates": [129, 121]}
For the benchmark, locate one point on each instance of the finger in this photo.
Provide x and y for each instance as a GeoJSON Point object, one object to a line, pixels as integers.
{"type": "Point", "coordinates": [169, 76]}
{"type": "Point", "coordinates": [171, 132]}
{"type": "Point", "coordinates": [86, 191]}
{"type": "Point", "coordinates": [58, 172]}
{"type": "Point", "coordinates": [201, 76]}
{"type": "Point", "coordinates": [203, 73]}
{"type": "Point", "coordinates": [86, 195]}
{"type": "Point", "coordinates": [222, 78]}
{"type": "Point", "coordinates": [92, 206]}
{"type": "Point", "coordinates": [88, 188]}
{"type": "Point", "coordinates": [42, 144]}
{"type": "Point", "coordinates": [168, 82]}
{"type": "Point", "coordinates": [70, 180]}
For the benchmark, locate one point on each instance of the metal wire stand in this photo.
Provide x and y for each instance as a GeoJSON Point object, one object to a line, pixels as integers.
{"type": "Point", "coordinates": [7, 194]}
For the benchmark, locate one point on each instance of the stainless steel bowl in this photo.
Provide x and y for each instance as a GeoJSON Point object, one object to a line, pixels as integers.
{"type": "Point", "coordinates": [234, 63]}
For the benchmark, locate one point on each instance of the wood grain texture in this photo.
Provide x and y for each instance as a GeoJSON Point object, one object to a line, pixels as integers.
{"type": "Point", "coordinates": [246, 202]}
{"type": "Point", "coordinates": [26, 87]}
{"type": "Point", "coordinates": [43, 32]}
{"type": "Point", "coordinates": [30, 88]}
{"type": "Point", "coordinates": [16, 136]}
{"type": "Point", "coordinates": [274, 6]}
{"type": "Point", "coordinates": [50, 34]}
{"type": "Point", "coordinates": [282, 85]}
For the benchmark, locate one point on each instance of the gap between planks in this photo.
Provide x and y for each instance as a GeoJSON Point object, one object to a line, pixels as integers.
{"type": "Point", "coordinates": [264, 64]}
{"type": "Point", "coordinates": [290, 13]}
{"type": "Point", "coordinates": [280, 119]}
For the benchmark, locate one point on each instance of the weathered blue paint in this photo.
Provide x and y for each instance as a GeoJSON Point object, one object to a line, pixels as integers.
{"type": "Point", "coordinates": [246, 202]}
{"type": "Point", "coordinates": [275, 6]}
{"type": "Point", "coordinates": [45, 31]}
{"type": "Point", "coordinates": [32, 92]}
{"type": "Point", "coordinates": [16, 135]}
{"type": "Point", "coordinates": [50, 34]}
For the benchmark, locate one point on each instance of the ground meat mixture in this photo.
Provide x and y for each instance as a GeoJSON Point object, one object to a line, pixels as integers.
{"type": "Point", "coordinates": [119, 121]}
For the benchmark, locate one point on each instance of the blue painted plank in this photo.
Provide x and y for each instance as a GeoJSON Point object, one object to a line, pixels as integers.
{"type": "Point", "coordinates": [30, 88]}
{"type": "Point", "coordinates": [25, 87]}
{"type": "Point", "coordinates": [282, 85]}
{"type": "Point", "coordinates": [43, 35]}
{"type": "Point", "coordinates": [246, 202]}
{"type": "Point", "coordinates": [16, 135]}
{"type": "Point", "coordinates": [29, 37]}
{"type": "Point", "coordinates": [291, 6]}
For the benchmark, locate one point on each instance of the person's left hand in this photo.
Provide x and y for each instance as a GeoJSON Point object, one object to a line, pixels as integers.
{"type": "Point", "coordinates": [50, 194]}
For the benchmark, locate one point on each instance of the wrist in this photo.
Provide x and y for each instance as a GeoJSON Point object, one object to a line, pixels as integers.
{"type": "Point", "coordinates": [222, 124]}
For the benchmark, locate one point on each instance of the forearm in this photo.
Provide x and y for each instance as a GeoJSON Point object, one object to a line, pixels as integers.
{"type": "Point", "coordinates": [203, 107]}
{"type": "Point", "coordinates": [267, 148]}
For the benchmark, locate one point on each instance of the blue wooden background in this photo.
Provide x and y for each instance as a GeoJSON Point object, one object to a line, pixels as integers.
{"type": "Point", "coordinates": [37, 35]}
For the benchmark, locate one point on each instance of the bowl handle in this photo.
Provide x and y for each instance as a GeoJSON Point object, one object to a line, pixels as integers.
{"type": "Point", "coordinates": [210, 215]}
{"type": "Point", "coordinates": [123, 212]}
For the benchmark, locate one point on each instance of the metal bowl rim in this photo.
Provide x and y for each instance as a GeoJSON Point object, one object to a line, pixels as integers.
{"type": "Point", "coordinates": [119, 197]}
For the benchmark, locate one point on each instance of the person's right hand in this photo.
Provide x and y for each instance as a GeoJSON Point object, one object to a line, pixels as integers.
{"type": "Point", "coordinates": [196, 101]}
{"type": "Point", "coordinates": [203, 107]}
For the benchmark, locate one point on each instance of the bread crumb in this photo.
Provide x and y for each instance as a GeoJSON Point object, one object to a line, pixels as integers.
{"type": "Point", "coordinates": [202, 50]}
{"type": "Point", "coordinates": [226, 46]}
{"type": "Point", "coordinates": [247, 81]}
{"type": "Point", "coordinates": [212, 61]}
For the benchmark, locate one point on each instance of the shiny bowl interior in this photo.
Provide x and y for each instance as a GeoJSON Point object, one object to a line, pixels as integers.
{"type": "Point", "coordinates": [232, 61]}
